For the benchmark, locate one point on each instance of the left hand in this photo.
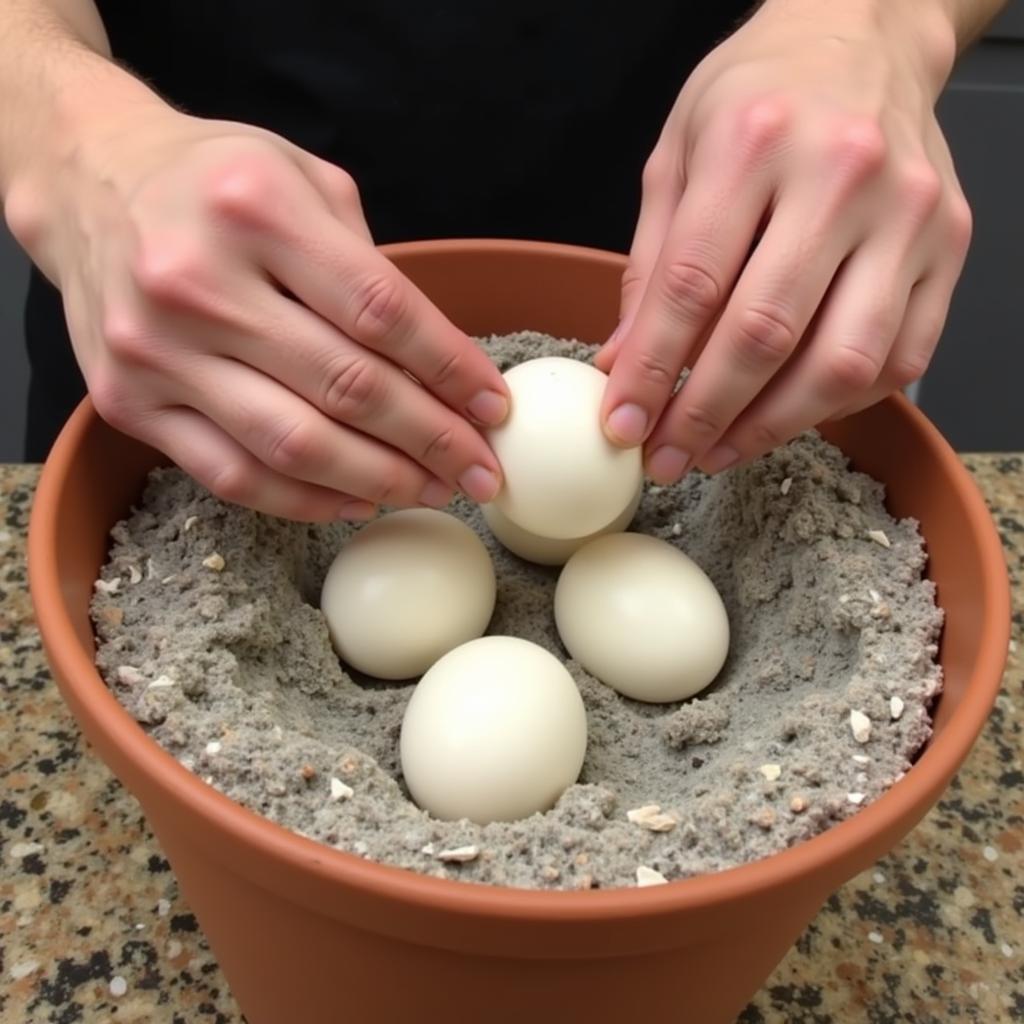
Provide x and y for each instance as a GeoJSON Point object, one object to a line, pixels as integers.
{"type": "Point", "coordinates": [800, 235]}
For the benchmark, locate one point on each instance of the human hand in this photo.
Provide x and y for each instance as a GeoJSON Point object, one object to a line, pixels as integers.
{"type": "Point", "coordinates": [800, 235]}
{"type": "Point", "coordinates": [227, 306]}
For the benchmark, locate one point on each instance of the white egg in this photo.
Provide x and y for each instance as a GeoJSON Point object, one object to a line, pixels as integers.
{"type": "Point", "coordinates": [407, 588]}
{"type": "Point", "coordinates": [642, 617]}
{"type": "Point", "coordinates": [495, 731]}
{"type": "Point", "coordinates": [563, 478]}
{"type": "Point", "coordinates": [547, 550]}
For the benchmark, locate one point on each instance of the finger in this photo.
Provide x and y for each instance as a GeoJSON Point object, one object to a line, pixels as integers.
{"type": "Point", "coordinates": [704, 249]}
{"type": "Point", "coordinates": [359, 388]}
{"type": "Point", "coordinates": [844, 357]}
{"type": "Point", "coordinates": [662, 190]}
{"type": "Point", "coordinates": [348, 282]}
{"type": "Point", "coordinates": [226, 469]}
{"type": "Point", "coordinates": [771, 307]}
{"type": "Point", "coordinates": [295, 440]}
{"type": "Point", "coordinates": [915, 344]}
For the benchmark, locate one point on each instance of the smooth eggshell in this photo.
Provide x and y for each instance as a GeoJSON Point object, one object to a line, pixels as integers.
{"type": "Point", "coordinates": [642, 617]}
{"type": "Point", "coordinates": [495, 731]}
{"type": "Point", "coordinates": [547, 550]}
{"type": "Point", "coordinates": [563, 478]}
{"type": "Point", "coordinates": [407, 588]}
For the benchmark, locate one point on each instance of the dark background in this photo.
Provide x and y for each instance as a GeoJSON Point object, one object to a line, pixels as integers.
{"type": "Point", "coordinates": [971, 391]}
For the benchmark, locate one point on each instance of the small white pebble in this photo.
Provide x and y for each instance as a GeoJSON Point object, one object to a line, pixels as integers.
{"type": "Point", "coordinates": [1007, 949]}
{"type": "Point", "coordinates": [896, 706]}
{"type": "Point", "coordinates": [118, 986]}
{"type": "Point", "coordinates": [150, 569]}
{"type": "Point", "coordinates": [459, 854]}
{"type": "Point", "coordinates": [163, 907]}
{"type": "Point", "coordinates": [20, 850]}
{"type": "Point", "coordinates": [160, 683]}
{"type": "Point", "coordinates": [878, 878]}
{"type": "Point", "coordinates": [134, 576]}
{"type": "Point", "coordinates": [208, 779]}
{"type": "Point", "coordinates": [844, 598]}
{"type": "Point", "coordinates": [650, 817]}
{"type": "Point", "coordinates": [107, 586]}
{"type": "Point", "coordinates": [278, 733]}
{"type": "Point", "coordinates": [174, 948]}
{"type": "Point", "coordinates": [875, 596]}
{"type": "Point", "coordinates": [1013, 646]}
{"type": "Point", "coordinates": [169, 579]}
{"type": "Point", "coordinates": [339, 791]}
{"type": "Point", "coordinates": [770, 771]}
{"type": "Point", "coordinates": [860, 726]}
{"type": "Point", "coordinates": [428, 849]}
{"type": "Point", "coordinates": [875, 937]}
{"type": "Point", "coordinates": [140, 927]}
{"type": "Point", "coordinates": [213, 747]}
{"type": "Point", "coordinates": [648, 876]}
{"type": "Point", "coordinates": [655, 489]}
{"type": "Point", "coordinates": [677, 529]}
{"type": "Point", "coordinates": [879, 537]}
{"type": "Point", "coordinates": [862, 759]}
{"type": "Point", "coordinates": [23, 968]}
{"type": "Point", "coordinates": [990, 853]}
{"type": "Point", "coordinates": [214, 562]}
{"type": "Point", "coordinates": [855, 798]}
{"type": "Point", "coordinates": [786, 484]}
{"type": "Point", "coordinates": [861, 777]}
{"type": "Point", "coordinates": [129, 675]}
{"type": "Point", "coordinates": [190, 522]}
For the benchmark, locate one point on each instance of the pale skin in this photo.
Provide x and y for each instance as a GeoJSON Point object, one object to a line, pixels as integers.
{"type": "Point", "coordinates": [226, 303]}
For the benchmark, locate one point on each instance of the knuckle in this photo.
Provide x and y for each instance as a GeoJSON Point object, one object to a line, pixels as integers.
{"type": "Point", "coordinates": [652, 369]}
{"type": "Point", "coordinates": [232, 481]}
{"type": "Point", "coordinates": [762, 124]}
{"type": "Point", "coordinates": [907, 369]}
{"type": "Point", "coordinates": [110, 401]}
{"type": "Point", "coordinates": [387, 487]}
{"type": "Point", "coordinates": [655, 172]}
{"type": "Point", "coordinates": [355, 389]}
{"type": "Point", "coordinates": [439, 446]}
{"type": "Point", "coordinates": [851, 369]}
{"type": "Point", "coordinates": [763, 337]}
{"type": "Point", "coordinates": [859, 144]}
{"type": "Point", "coordinates": [378, 306]}
{"type": "Point", "coordinates": [344, 186]}
{"type": "Point", "coordinates": [961, 223]}
{"type": "Point", "coordinates": [700, 421]}
{"type": "Point", "coordinates": [766, 435]}
{"type": "Point", "coordinates": [24, 213]}
{"type": "Point", "coordinates": [242, 187]}
{"type": "Point", "coordinates": [293, 447]}
{"type": "Point", "coordinates": [127, 338]}
{"type": "Point", "coordinates": [691, 290]}
{"type": "Point", "coordinates": [168, 270]}
{"type": "Point", "coordinates": [920, 188]}
{"type": "Point", "coordinates": [448, 369]}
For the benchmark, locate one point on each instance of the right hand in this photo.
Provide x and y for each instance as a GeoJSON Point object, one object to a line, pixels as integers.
{"type": "Point", "coordinates": [227, 306]}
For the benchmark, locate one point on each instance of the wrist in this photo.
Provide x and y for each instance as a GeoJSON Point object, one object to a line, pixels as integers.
{"type": "Point", "coordinates": [922, 32]}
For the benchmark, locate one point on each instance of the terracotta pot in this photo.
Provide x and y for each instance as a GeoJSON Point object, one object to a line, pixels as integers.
{"type": "Point", "coordinates": [308, 934]}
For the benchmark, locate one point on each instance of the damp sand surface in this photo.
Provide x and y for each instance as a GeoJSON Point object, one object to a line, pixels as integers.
{"type": "Point", "coordinates": [209, 633]}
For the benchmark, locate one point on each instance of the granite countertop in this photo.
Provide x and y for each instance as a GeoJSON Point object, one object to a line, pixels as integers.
{"type": "Point", "coordinates": [93, 928]}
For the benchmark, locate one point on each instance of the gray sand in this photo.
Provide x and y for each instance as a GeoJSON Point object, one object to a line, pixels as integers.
{"type": "Point", "coordinates": [231, 670]}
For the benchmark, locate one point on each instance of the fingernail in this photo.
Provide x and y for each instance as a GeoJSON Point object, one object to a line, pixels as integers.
{"type": "Point", "coordinates": [479, 483]}
{"type": "Point", "coordinates": [357, 509]}
{"type": "Point", "coordinates": [721, 457]}
{"type": "Point", "coordinates": [436, 494]}
{"type": "Point", "coordinates": [667, 464]}
{"type": "Point", "coordinates": [488, 407]}
{"type": "Point", "coordinates": [627, 424]}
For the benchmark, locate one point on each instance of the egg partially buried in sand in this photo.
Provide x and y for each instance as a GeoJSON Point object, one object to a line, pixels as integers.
{"type": "Point", "coordinates": [495, 731]}
{"type": "Point", "coordinates": [562, 477]}
{"type": "Point", "coordinates": [406, 589]}
{"type": "Point", "coordinates": [547, 550]}
{"type": "Point", "coordinates": [642, 617]}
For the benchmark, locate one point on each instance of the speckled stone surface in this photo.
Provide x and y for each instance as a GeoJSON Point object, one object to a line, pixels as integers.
{"type": "Point", "coordinates": [93, 929]}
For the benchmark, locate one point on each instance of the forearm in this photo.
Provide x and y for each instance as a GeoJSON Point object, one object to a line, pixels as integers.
{"type": "Point", "coordinates": [56, 78]}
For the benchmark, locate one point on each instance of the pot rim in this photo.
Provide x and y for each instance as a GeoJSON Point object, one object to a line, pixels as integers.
{"type": "Point", "coordinates": [855, 839]}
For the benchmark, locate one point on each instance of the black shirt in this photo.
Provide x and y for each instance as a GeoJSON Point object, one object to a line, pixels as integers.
{"type": "Point", "coordinates": [456, 119]}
